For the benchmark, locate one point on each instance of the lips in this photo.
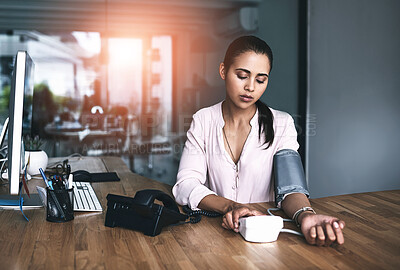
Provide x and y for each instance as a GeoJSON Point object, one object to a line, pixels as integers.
{"type": "Point", "coordinates": [246, 98]}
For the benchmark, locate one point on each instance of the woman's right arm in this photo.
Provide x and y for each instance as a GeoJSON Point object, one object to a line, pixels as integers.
{"type": "Point", "coordinates": [190, 186]}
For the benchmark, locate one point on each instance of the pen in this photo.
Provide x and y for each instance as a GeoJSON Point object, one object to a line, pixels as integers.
{"type": "Point", "coordinates": [44, 178]}
{"type": "Point", "coordinates": [70, 180]}
{"type": "Point", "coordinates": [53, 196]}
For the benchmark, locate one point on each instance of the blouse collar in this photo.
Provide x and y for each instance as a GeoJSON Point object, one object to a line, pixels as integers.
{"type": "Point", "coordinates": [221, 122]}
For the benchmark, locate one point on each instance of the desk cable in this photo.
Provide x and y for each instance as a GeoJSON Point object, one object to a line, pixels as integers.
{"type": "Point", "coordinates": [284, 219]}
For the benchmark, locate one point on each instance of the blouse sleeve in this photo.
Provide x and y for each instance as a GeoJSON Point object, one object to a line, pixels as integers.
{"type": "Point", "coordinates": [190, 186]}
{"type": "Point", "coordinates": [288, 139]}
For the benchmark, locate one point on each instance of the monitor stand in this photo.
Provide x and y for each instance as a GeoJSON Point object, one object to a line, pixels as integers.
{"type": "Point", "coordinates": [8, 201]}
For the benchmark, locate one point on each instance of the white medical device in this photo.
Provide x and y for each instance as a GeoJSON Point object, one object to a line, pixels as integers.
{"type": "Point", "coordinates": [262, 229]}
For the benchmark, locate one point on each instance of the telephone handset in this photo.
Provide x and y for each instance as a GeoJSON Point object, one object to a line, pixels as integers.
{"type": "Point", "coordinates": [142, 214]}
{"type": "Point", "coordinates": [146, 199]}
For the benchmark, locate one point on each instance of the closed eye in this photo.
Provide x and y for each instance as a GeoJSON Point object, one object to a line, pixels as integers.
{"type": "Point", "coordinates": [262, 78]}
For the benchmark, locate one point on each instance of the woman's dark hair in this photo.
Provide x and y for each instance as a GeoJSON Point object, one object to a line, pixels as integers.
{"type": "Point", "coordinates": [246, 44]}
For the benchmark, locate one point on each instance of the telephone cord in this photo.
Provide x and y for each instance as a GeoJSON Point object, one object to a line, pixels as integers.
{"type": "Point", "coordinates": [195, 215]}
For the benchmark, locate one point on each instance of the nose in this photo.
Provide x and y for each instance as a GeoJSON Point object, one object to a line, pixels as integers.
{"type": "Point", "coordinates": [249, 86]}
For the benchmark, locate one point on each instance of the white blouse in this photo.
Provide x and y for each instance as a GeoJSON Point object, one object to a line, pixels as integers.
{"type": "Point", "coordinates": [207, 168]}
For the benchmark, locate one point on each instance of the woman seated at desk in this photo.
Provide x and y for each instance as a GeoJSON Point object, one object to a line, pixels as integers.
{"type": "Point", "coordinates": [228, 156]}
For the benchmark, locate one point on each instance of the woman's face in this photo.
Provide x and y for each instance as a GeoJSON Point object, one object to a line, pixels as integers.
{"type": "Point", "coordinates": [246, 79]}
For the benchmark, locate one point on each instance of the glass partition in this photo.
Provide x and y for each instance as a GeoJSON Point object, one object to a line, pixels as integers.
{"type": "Point", "coordinates": [87, 86]}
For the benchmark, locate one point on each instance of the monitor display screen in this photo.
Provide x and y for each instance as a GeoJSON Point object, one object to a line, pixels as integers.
{"type": "Point", "coordinates": [28, 97]}
{"type": "Point", "coordinates": [8, 83]}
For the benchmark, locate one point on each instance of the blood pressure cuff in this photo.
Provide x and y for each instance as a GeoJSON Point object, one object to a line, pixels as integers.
{"type": "Point", "coordinates": [288, 174]}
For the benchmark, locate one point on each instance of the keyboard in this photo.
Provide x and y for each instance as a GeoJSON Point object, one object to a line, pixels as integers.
{"type": "Point", "coordinates": [84, 198]}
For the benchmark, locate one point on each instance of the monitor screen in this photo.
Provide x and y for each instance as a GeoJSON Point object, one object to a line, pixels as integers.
{"type": "Point", "coordinates": [20, 116]}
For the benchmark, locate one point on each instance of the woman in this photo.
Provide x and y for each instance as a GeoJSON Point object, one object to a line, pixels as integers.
{"type": "Point", "coordinates": [228, 156]}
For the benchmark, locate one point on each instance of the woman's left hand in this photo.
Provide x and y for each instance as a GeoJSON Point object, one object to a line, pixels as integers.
{"type": "Point", "coordinates": [321, 230]}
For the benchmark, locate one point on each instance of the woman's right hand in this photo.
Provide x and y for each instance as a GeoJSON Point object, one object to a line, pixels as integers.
{"type": "Point", "coordinates": [230, 220]}
{"type": "Point", "coordinates": [233, 210]}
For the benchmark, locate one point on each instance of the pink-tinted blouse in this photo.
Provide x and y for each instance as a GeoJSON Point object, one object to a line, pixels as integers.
{"type": "Point", "coordinates": [207, 168]}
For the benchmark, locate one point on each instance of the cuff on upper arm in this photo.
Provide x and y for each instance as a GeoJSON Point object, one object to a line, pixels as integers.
{"type": "Point", "coordinates": [279, 204]}
{"type": "Point", "coordinates": [281, 195]}
{"type": "Point", "coordinates": [289, 175]}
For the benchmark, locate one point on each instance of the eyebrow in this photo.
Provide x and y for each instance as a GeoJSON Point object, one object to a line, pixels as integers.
{"type": "Point", "coordinates": [248, 72]}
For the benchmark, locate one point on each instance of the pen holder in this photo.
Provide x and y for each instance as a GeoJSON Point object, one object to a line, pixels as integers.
{"type": "Point", "coordinates": [60, 205]}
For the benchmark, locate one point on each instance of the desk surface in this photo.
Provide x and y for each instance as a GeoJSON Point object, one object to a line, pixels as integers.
{"type": "Point", "coordinates": [372, 236]}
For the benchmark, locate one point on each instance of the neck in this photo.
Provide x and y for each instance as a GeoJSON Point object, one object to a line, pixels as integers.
{"type": "Point", "coordinates": [235, 115]}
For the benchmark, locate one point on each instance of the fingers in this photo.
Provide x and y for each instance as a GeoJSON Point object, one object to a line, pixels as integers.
{"type": "Point", "coordinates": [333, 232]}
{"type": "Point", "coordinates": [225, 226]}
{"type": "Point", "coordinates": [236, 214]}
{"type": "Point", "coordinates": [323, 230]}
{"type": "Point", "coordinates": [227, 221]}
{"type": "Point", "coordinates": [231, 219]}
{"type": "Point", "coordinates": [330, 234]}
{"type": "Point", "coordinates": [317, 236]}
{"type": "Point", "coordinates": [342, 224]}
{"type": "Point", "coordinates": [320, 236]}
{"type": "Point", "coordinates": [326, 234]}
{"type": "Point", "coordinates": [311, 237]}
{"type": "Point", "coordinates": [256, 213]}
{"type": "Point", "coordinates": [338, 226]}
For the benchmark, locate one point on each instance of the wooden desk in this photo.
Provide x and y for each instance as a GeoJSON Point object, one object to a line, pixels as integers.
{"type": "Point", "coordinates": [372, 236]}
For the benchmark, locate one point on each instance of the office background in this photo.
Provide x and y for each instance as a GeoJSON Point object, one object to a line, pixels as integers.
{"type": "Point", "coordinates": [335, 71]}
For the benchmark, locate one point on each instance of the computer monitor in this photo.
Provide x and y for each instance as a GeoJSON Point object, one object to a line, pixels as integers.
{"type": "Point", "coordinates": [20, 116]}
{"type": "Point", "coordinates": [19, 124]}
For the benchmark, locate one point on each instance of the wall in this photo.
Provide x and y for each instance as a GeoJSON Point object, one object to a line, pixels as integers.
{"type": "Point", "coordinates": [279, 28]}
{"type": "Point", "coordinates": [354, 94]}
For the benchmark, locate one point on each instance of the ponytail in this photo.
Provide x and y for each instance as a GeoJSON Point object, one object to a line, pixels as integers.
{"type": "Point", "coordinates": [265, 122]}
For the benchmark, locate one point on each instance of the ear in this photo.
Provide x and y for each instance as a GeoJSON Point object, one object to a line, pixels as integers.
{"type": "Point", "coordinates": [222, 70]}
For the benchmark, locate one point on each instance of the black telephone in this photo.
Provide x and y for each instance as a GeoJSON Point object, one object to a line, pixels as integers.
{"type": "Point", "coordinates": [142, 214]}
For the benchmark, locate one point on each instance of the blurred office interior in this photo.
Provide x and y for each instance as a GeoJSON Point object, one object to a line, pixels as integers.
{"type": "Point", "coordinates": [124, 77]}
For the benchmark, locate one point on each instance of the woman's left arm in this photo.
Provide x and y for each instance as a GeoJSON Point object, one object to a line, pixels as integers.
{"type": "Point", "coordinates": [320, 230]}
